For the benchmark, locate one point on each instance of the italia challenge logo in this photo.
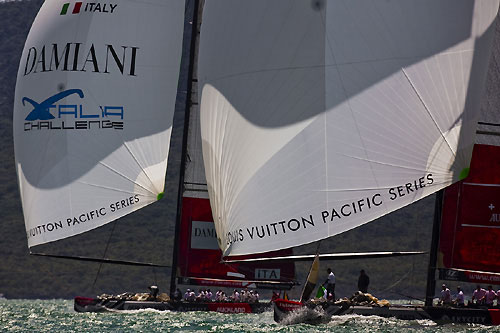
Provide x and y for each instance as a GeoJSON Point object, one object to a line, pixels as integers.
{"type": "Point", "coordinates": [87, 7]}
{"type": "Point", "coordinates": [53, 114]}
{"type": "Point", "coordinates": [41, 110]}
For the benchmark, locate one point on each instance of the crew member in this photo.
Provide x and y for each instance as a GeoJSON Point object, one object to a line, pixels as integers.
{"type": "Point", "coordinates": [177, 296]}
{"type": "Point", "coordinates": [330, 284]}
{"type": "Point", "coordinates": [490, 296]}
{"type": "Point", "coordinates": [208, 295]}
{"type": "Point", "coordinates": [256, 296]}
{"type": "Point", "coordinates": [459, 298]}
{"type": "Point", "coordinates": [445, 295]}
{"type": "Point", "coordinates": [153, 292]}
{"type": "Point", "coordinates": [236, 296]}
{"type": "Point", "coordinates": [479, 295]}
{"type": "Point", "coordinates": [363, 281]}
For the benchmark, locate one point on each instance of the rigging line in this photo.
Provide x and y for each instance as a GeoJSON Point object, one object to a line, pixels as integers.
{"type": "Point", "coordinates": [410, 297]}
{"type": "Point", "coordinates": [489, 124]}
{"type": "Point", "coordinates": [428, 111]}
{"type": "Point", "coordinates": [394, 284]}
{"type": "Point", "coordinates": [415, 241]}
{"type": "Point", "coordinates": [348, 100]}
{"type": "Point", "coordinates": [360, 62]}
{"type": "Point", "coordinates": [104, 254]}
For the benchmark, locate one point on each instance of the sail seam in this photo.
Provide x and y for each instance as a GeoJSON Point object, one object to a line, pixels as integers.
{"type": "Point", "coordinates": [381, 163]}
{"type": "Point", "coordinates": [334, 65]}
{"type": "Point", "coordinates": [121, 175]}
{"type": "Point", "coordinates": [428, 112]}
{"type": "Point", "coordinates": [114, 189]}
{"type": "Point", "coordinates": [125, 144]}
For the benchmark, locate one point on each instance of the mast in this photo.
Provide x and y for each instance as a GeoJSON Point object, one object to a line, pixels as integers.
{"type": "Point", "coordinates": [183, 104]}
{"type": "Point", "coordinates": [431, 270]}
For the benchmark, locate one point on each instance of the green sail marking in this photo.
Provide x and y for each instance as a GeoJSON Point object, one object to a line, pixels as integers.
{"type": "Point", "coordinates": [464, 173]}
{"type": "Point", "coordinates": [160, 195]}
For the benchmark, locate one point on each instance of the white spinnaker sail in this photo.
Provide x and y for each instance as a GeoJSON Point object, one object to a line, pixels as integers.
{"type": "Point", "coordinates": [93, 112]}
{"type": "Point", "coordinates": [319, 116]}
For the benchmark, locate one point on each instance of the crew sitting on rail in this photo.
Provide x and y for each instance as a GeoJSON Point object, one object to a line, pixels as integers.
{"type": "Point", "coordinates": [459, 299]}
{"type": "Point", "coordinates": [445, 298]}
{"type": "Point", "coordinates": [209, 295]}
{"type": "Point", "coordinates": [189, 296]}
{"type": "Point", "coordinates": [201, 297]}
{"type": "Point", "coordinates": [219, 296]}
{"type": "Point", "coordinates": [479, 296]}
{"type": "Point", "coordinates": [490, 296]}
{"type": "Point", "coordinates": [235, 297]}
{"type": "Point", "coordinates": [223, 296]}
{"type": "Point", "coordinates": [245, 295]}
{"type": "Point", "coordinates": [253, 296]}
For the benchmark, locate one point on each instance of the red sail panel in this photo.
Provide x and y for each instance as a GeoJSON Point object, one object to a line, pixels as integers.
{"type": "Point", "coordinates": [200, 256]}
{"type": "Point", "coordinates": [470, 228]}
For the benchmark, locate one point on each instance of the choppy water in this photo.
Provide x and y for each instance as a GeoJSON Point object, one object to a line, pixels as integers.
{"type": "Point", "coordinates": [58, 316]}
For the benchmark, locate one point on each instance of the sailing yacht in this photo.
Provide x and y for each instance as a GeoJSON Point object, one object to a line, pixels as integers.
{"type": "Point", "coordinates": [92, 125]}
{"type": "Point", "coordinates": [313, 117]}
{"type": "Point", "coordinates": [318, 117]}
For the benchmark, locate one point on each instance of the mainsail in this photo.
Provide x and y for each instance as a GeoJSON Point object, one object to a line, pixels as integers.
{"type": "Point", "coordinates": [93, 112]}
{"type": "Point", "coordinates": [199, 256]}
{"type": "Point", "coordinates": [470, 224]}
{"type": "Point", "coordinates": [320, 116]}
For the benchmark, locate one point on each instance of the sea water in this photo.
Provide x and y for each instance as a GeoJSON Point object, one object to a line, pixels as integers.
{"type": "Point", "coordinates": [59, 316]}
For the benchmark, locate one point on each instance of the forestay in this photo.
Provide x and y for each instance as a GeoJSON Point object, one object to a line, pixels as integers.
{"type": "Point", "coordinates": [93, 112]}
{"type": "Point", "coordinates": [319, 116]}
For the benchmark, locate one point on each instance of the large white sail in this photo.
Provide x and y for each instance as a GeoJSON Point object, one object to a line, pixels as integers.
{"type": "Point", "coordinates": [319, 116]}
{"type": "Point", "coordinates": [93, 112]}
